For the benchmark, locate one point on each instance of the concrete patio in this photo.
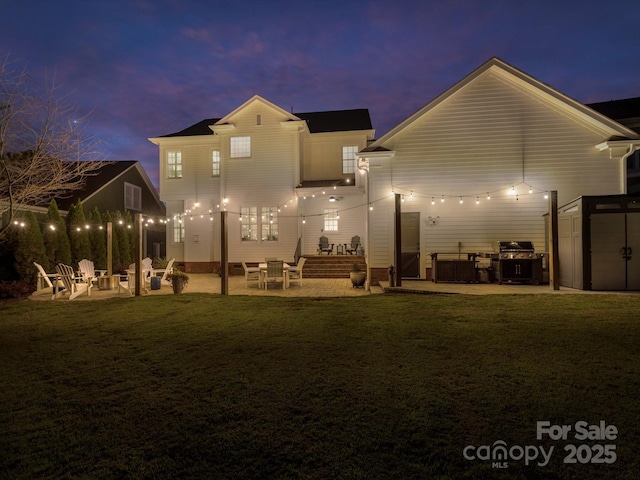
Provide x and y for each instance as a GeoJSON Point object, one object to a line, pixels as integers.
{"type": "Point", "coordinates": [330, 287]}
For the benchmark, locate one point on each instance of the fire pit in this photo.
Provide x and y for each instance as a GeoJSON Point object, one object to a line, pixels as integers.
{"type": "Point", "coordinates": [108, 283]}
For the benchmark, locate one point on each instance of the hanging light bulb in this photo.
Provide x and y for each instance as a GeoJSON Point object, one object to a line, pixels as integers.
{"type": "Point", "coordinates": [461, 200]}
{"type": "Point", "coordinates": [442, 199]}
{"type": "Point", "coordinates": [477, 200]}
{"type": "Point", "coordinates": [546, 195]}
{"type": "Point", "coordinates": [488, 196]}
{"type": "Point", "coordinates": [530, 189]}
{"type": "Point", "coordinates": [304, 220]}
{"type": "Point", "coordinates": [370, 207]}
{"type": "Point", "coordinates": [433, 201]}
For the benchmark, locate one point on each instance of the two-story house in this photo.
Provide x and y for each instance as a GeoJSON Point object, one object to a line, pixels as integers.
{"type": "Point", "coordinates": [474, 166]}
{"type": "Point", "coordinates": [285, 179]}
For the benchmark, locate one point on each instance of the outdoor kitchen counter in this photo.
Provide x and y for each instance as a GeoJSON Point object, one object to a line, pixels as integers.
{"type": "Point", "coordinates": [454, 269]}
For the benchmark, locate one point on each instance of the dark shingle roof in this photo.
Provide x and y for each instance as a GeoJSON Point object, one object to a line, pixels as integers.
{"type": "Point", "coordinates": [618, 109]}
{"type": "Point", "coordinates": [318, 122]}
{"type": "Point", "coordinates": [200, 128]}
{"type": "Point", "coordinates": [337, 120]}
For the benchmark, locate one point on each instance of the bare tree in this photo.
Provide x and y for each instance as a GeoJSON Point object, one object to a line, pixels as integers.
{"type": "Point", "coordinates": [43, 149]}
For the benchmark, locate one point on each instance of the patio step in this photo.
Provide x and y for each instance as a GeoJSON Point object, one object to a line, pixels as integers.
{"type": "Point", "coordinates": [331, 266]}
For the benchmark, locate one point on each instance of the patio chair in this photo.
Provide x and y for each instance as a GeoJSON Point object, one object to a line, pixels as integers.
{"type": "Point", "coordinates": [165, 271]}
{"type": "Point", "coordinates": [251, 274]}
{"type": "Point", "coordinates": [44, 281]}
{"type": "Point", "coordinates": [68, 278]}
{"type": "Point", "coordinates": [130, 284]}
{"type": "Point", "coordinates": [325, 246]}
{"type": "Point", "coordinates": [275, 271]}
{"type": "Point", "coordinates": [355, 245]}
{"type": "Point", "coordinates": [295, 272]}
{"type": "Point", "coordinates": [87, 271]}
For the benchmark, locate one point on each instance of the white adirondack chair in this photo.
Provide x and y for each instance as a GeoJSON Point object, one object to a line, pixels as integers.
{"type": "Point", "coordinates": [165, 271]}
{"type": "Point", "coordinates": [87, 271]}
{"type": "Point", "coordinates": [68, 278]}
{"type": "Point", "coordinates": [44, 281]}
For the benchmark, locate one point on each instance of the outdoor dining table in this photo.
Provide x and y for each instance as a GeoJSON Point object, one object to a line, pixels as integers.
{"type": "Point", "coordinates": [263, 274]}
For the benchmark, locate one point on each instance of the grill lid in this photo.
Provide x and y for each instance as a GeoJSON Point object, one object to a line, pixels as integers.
{"type": "Point", "coordinates": [511, 246]}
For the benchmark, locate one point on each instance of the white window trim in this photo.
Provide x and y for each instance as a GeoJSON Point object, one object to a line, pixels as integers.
{"type": "Point", "coordinates": [269, 222]}
{"type": "Point", "coordinates": [331, 218]}
{"type": "Point", "coordinates": [174, 168]}
{"type": "Point", "coordinates": [349, 159]}
{"type": "Point", "coordinates": [215, 163]}
{"type": "Point", "coordinates": [132, 197]}
{"type": "Point", "coordinates": [240, 147]}
{"type": "Point", "coordinates": [249, 221]}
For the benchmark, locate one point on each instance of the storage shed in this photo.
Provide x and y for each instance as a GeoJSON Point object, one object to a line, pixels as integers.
{"type": "Point", "coordinates": [599, 243]}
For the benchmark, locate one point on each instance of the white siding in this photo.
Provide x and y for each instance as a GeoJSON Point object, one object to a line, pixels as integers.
{"type": "Point", "coordinates": [352, 209]}
{"type": "Point", "coordinates": [488, 137]}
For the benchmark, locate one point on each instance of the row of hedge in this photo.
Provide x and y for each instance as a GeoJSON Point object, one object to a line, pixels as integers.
{"type": "Point", "coordinates": [49, 239]}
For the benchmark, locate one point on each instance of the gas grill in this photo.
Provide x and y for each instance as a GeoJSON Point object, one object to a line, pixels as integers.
{"type": "Point", "coordinates": [516, 262]}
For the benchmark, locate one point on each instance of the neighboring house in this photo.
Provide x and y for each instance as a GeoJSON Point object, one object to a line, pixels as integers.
{"type": "Point", "coordinates": [626, 112]}
{"type": "Point", "coordinates": [474, 167]}
{"type": "Point", "coordinates": [475, 164]}
{"type": "Point", "coordinates": [285, 179]}
{"type": "Point", "coordinates": [120, 186]}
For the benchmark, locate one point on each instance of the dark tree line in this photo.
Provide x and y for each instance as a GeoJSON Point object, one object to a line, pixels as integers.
{"type": "Point", "coordinates": [51, 239]}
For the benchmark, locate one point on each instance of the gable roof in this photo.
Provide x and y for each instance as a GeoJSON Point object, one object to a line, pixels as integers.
{"type": "Point", "coordinates": [317, 122]}
{"type": "Point", "coordinates": [543, 91]}
{"type": "Point", "coordinates": [105, 176]}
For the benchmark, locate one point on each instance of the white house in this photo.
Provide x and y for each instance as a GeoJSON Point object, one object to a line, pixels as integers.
{"type": "Point", "coordinates": [473, 167]}
{"type": "Point", "coordinates": [475, 164]}
{"type": "Point", "coordinates": [285, 180]}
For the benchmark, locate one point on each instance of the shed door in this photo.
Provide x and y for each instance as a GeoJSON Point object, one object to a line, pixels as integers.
{"type": "Point", "coordinates": [410, 245]}
{"type": "Point", "coordinates": [608, 267]}
{"type": "Point", "coordinates": [633, 244]}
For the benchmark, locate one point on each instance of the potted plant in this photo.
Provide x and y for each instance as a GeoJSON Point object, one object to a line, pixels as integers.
{"type": "Point", "coordinates": [357, 275]}
{"type": "Point", "coordinates": [178, 280]}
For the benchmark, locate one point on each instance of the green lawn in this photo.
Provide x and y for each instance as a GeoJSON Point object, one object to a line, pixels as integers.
{"type": "Point", "coordinates": [377, 387]}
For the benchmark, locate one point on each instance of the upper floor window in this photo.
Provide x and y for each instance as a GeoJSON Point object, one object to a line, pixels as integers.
{"type": "Point", "coordinates": [349, 159]}
{"type": "Point", "coordinates": [174, 164]}
{"type": "Point", "coordinates": [269, 219]}
{"type": "Point", "coordinates": [215, 163]}
{"type": "Point", "coordinates": [132, 197]}
{"type": "Point", "coordinates": [331, 220]}
{"type": "Point", "coordinates": [240, 147]}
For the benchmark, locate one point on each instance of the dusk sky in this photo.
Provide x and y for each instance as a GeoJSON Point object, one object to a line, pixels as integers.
{"type": "Point", "coordinates": [143, 68]}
